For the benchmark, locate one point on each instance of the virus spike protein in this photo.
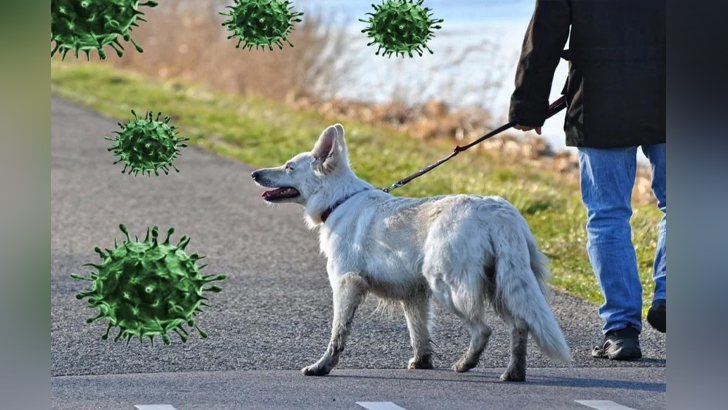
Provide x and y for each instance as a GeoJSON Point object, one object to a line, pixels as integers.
{"type": "Point", "coordinates": [147, 145]}
{"type": "Point", "coordinates": [401, 27]}
{"type": "Point", "coordinates": [85, 25]}
{"type": "Point", "coordinates": [261, 23]}
{"type": "Point", "coordinates": [148, 288]}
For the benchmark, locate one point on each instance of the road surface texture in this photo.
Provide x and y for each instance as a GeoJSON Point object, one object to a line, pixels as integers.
{"type": "Point", "coordinates": [274, 313]}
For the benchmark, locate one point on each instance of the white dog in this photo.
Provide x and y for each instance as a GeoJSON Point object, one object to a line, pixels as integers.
{"type": "Point", "coordinates": [468, 251]}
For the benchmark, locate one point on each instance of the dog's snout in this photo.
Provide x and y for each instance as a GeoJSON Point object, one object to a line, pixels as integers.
{"type": "Point", "coordinates": [255, 175]}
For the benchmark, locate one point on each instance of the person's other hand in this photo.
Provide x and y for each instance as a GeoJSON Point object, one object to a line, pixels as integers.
{"type": "Point", "coordinates": [526, 128]}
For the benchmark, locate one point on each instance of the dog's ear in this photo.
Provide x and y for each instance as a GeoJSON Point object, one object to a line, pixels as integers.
{"type": "Point", "coordinates": [330, 149]}
{"type": "Point", "coordinates": [339, 130]}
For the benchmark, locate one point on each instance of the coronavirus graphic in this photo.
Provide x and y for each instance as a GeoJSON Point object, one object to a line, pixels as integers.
{"type": "Point", "coordinates": [85, 25]}
{"type": "Point", "coordinates": [401, 27]}
{"type": "Point", "coordinates": [148, 288]}
{"type": "Point", "coordinates": [147, 145]}
{"type": "Point", "coordinates": [261, 23]}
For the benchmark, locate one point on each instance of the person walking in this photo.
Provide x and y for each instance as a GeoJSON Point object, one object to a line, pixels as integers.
{"type": "Point", "coordinates": [615, 94]}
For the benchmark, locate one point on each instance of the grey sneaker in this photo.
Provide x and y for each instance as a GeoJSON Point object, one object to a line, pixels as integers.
{"type": "Point", "coordinates": [657, 315]}
{"type": "Point", "coordinates": [620, 344]}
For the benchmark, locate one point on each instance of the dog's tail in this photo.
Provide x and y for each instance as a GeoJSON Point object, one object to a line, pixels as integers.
{"type": "Point", "coordinates": [521, 290]}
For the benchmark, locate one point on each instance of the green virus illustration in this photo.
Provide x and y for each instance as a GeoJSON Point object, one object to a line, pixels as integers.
{"type": "Point", "coordinates": [261, 23]}
{"type": "Point", "coordinates": [401, 27]}
{"type": "Point", "coordinates": [148, 288]}
{"type": "Point", "coordinates": [147, 145]}
{"type": "Point", "coordinates": [85, 25]}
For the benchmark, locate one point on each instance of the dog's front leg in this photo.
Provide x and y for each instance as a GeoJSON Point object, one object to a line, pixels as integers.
{"type": "Point", "coordinates": [349, 290]}
{"type": "Point", "coordinates": [417, 312]}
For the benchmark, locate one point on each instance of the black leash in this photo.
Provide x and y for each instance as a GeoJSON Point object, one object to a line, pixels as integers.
{"type": "Point", "coordinates": [554, 108]}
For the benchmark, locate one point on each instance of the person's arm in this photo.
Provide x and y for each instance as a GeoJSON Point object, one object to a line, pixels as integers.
{"type": "Point", "coordinates": [542, 47]}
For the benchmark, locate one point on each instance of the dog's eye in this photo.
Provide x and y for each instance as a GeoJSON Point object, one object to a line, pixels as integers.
{"type": "Point", "coordinates": [289, 167]}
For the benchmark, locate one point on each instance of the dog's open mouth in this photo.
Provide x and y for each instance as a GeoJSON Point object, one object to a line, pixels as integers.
{"type": "Point", "coordinates": [280, 194]}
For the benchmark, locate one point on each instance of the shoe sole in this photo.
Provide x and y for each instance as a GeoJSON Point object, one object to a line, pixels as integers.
{"type": "Point", "coordinates": [623, 354]}
{"type": "Point", "coordinates": [657, 318]}
{"type": "Point", "coordinates": [629, 352]}
{"type": "Point", "coordinates": [620, 355]}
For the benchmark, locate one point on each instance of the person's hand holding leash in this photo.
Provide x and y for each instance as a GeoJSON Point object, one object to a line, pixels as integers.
{"type": "Point", "coordinates": [526, 128]}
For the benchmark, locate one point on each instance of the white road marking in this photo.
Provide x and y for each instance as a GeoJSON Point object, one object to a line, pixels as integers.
{"type": "Point", "coordinates": [603, 405]}
{"type": "Point", "coordinates": [379, 405]}
{"type": "Point", "coordinates": [155, 407]}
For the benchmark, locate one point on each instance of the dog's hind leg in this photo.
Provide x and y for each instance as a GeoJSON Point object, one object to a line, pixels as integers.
{"type": "Point", "coordinates": [469, 303]}
{"type": "Point", "coordinates": [479, 336]}
{"type": "Point", "coordinates": [349, 291]}
{"type": "Point", "coordinates": [416, 310]}
{"type": "Point", "coordinates": [516, 371]}
{"type": "Point", "coordinates": [468, 308]}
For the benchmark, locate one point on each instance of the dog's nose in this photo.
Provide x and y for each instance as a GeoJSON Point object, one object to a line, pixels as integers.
{"type": "Point", "coordinates": [255, 175]}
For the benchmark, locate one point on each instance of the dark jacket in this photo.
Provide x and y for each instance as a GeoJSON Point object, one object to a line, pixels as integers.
{"type": "Point", "coordinates": [616, 86]}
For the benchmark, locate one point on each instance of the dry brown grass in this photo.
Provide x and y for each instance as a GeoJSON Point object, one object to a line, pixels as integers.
{"type": "Point", "coordinates": [184, 39]}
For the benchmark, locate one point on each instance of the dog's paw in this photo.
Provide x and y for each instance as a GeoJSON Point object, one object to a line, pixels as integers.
{"type": "Point", "coordinates": [424, 362]}
{"type": "Point", "coordinates": [315, 370]}
{"type": "Point", "coordinates": [463, 365]}
{"type": "Point", "coordinates": [513, 376]}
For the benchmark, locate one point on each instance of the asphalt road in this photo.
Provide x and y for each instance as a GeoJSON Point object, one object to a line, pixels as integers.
{"type": "Point", "coordinates": [635, 388]}
{"type": "Point", "coordinates": [274, 312]}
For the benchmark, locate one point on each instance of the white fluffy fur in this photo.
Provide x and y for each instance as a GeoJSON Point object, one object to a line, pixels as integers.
{"type": "Point", "coordinates": [467, 251]}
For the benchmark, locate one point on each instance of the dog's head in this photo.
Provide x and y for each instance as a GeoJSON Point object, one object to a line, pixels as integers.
{"type": "Point", "coordinates": [303, 176]}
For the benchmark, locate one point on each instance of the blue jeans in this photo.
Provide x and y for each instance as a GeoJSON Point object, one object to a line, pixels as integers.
{"type": "Point", "coordinates": [607, 179]}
